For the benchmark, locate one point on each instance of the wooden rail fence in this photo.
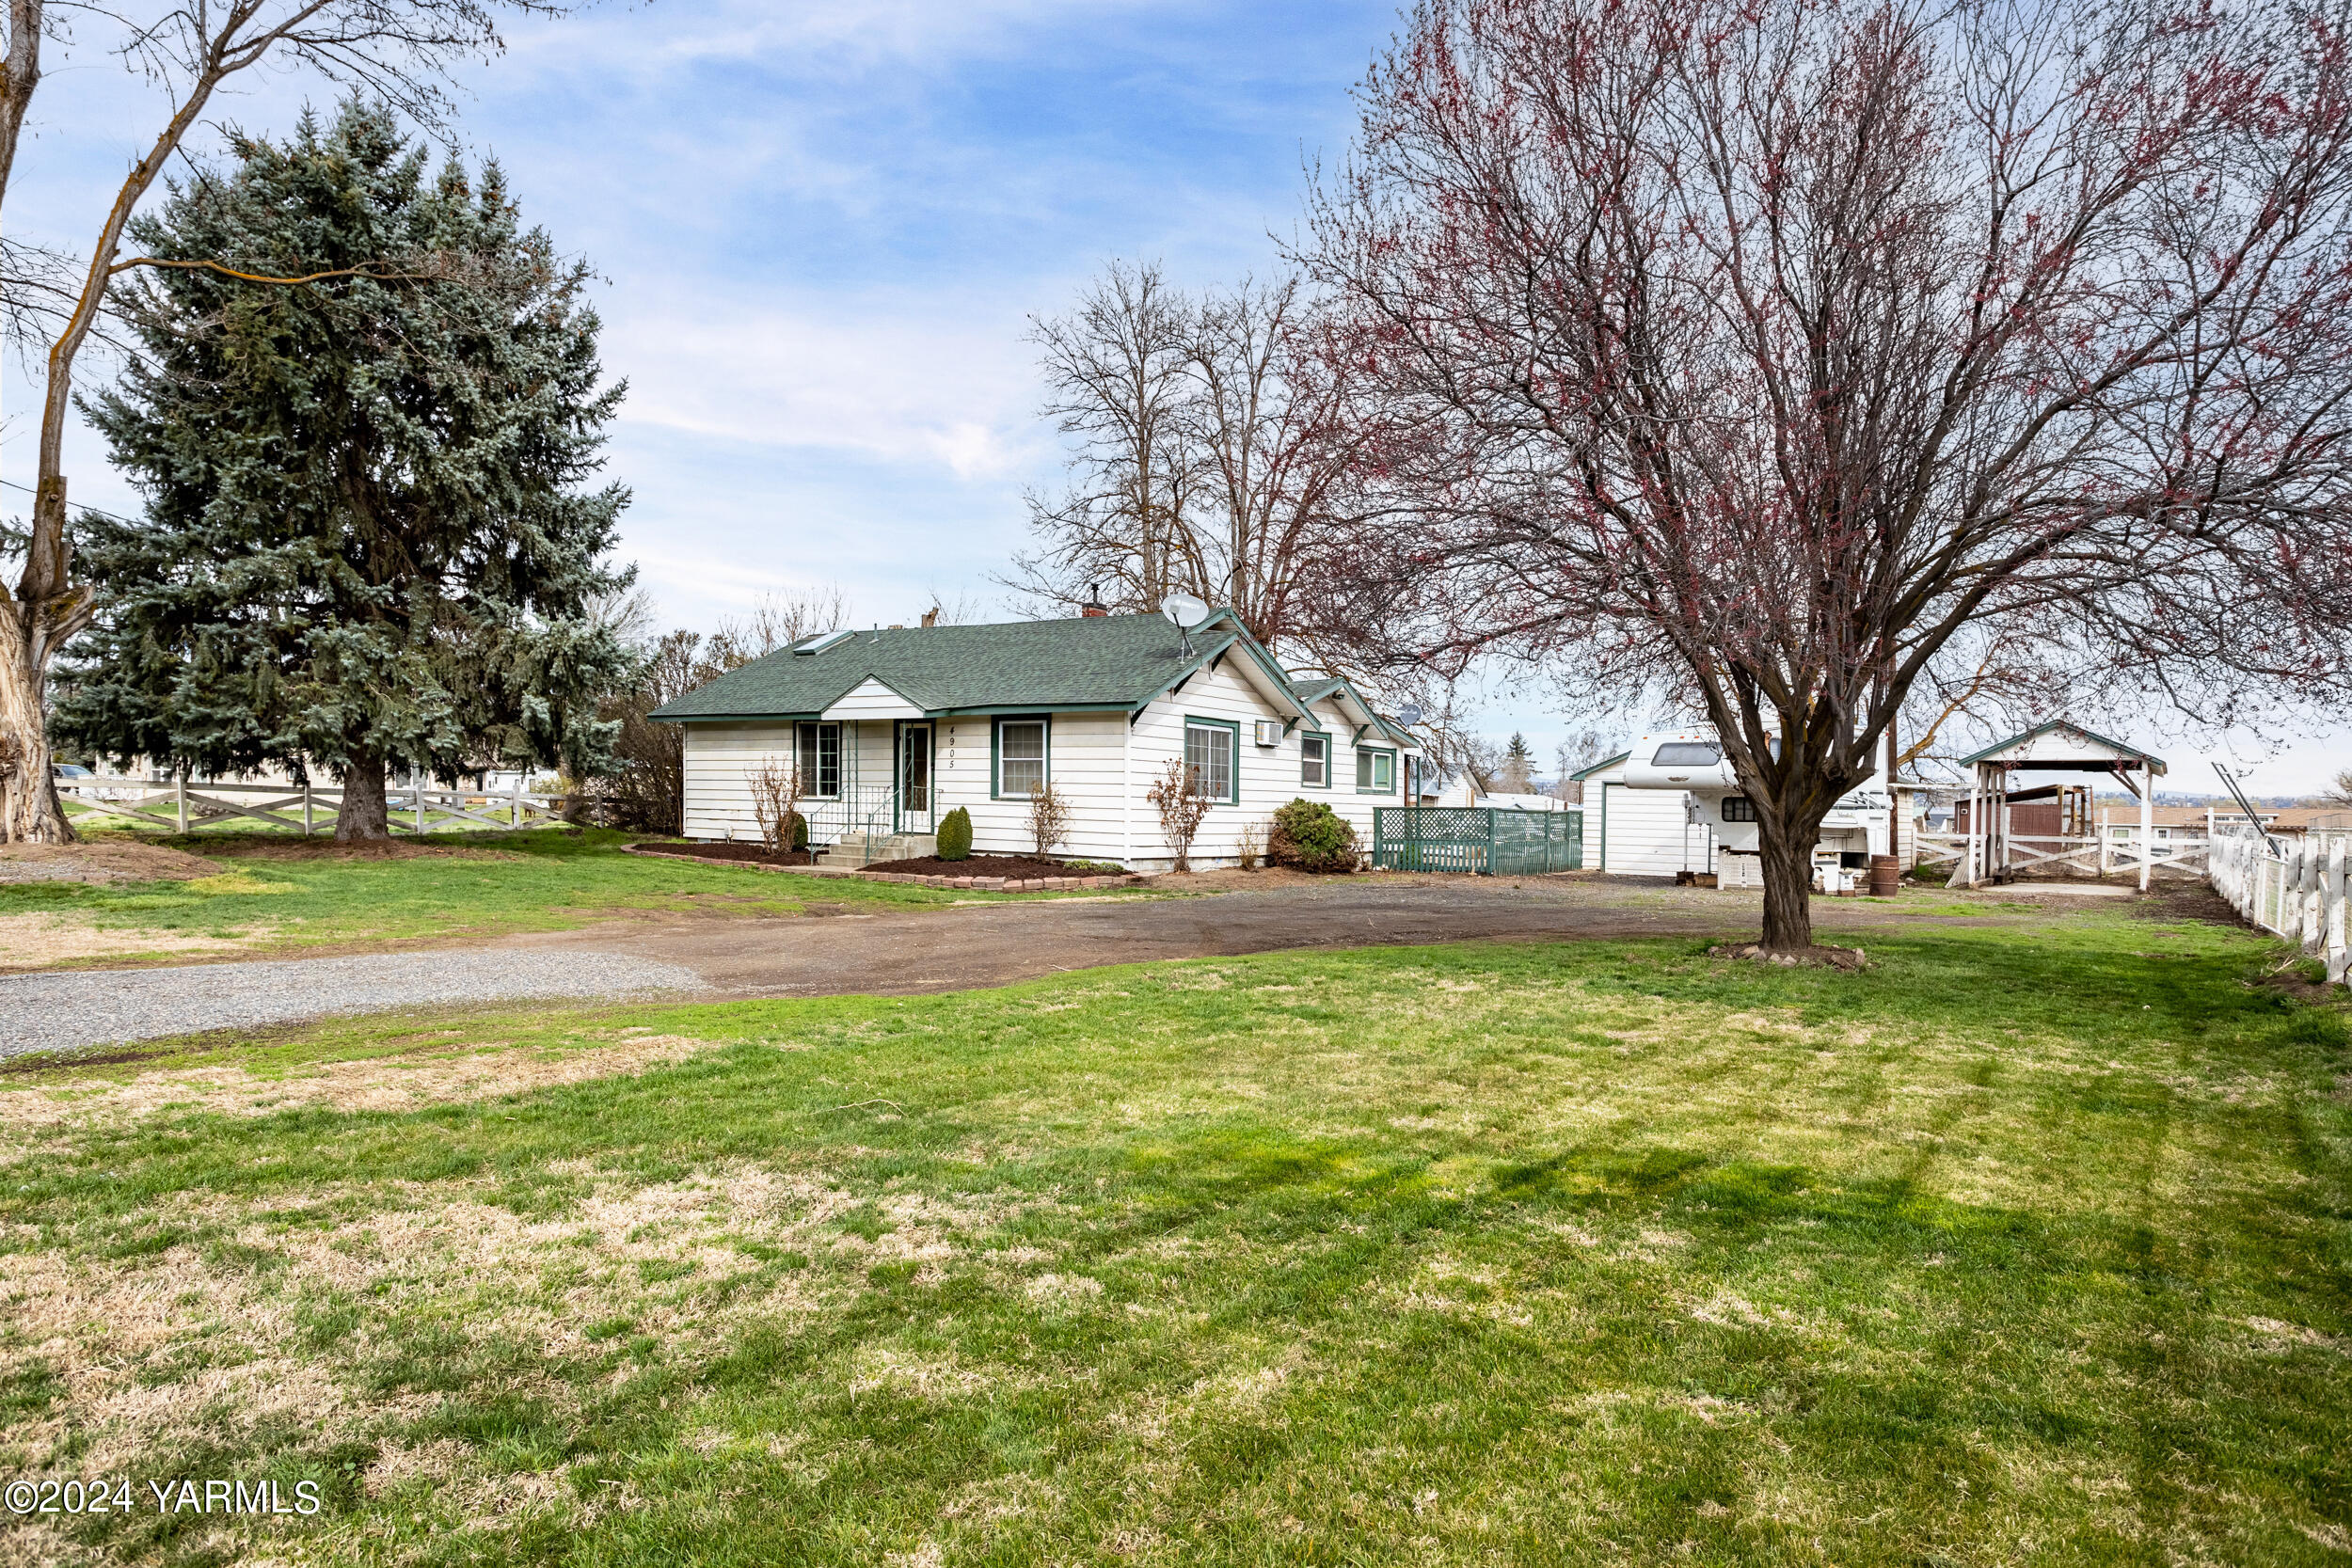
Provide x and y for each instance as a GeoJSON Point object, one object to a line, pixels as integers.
{"type": "Point", "coordinates": [2086, 855]}
{"type": "Point", "coordinates": [187, 808]}
{"type": "Point", "coordinates": [2292, 887]}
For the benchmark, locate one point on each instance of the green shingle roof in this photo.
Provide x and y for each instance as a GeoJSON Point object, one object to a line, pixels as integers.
{"type": "Point", "coordinates": [1098, 662]}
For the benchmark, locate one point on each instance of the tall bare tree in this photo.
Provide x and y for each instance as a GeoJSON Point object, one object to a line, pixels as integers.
{"type": "Point", "coordinates": [1115, 370]}
{"type": "Point", "coordinates": [1801, 349]}
{"type": "Point", "coordinates": [778, 620]}
{"type": "Point", "coordinates": [395, 49]}
{"type": "Point", "coordinates": [1213, 459]}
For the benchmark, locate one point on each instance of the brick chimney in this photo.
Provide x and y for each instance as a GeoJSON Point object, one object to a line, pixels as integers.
{"type": "Point", "coordinates": [1094, 606]}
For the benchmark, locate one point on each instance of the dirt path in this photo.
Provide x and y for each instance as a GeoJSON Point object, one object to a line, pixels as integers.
{"type": "Point", "coordinates": [912, 951]}
{"type": "Point", "coordinates": [835, 949]}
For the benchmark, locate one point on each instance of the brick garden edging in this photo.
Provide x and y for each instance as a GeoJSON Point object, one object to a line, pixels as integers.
{"type": "Point", "coordinates": [976, 884]}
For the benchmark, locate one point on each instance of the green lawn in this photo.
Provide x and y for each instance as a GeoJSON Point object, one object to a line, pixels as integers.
{"type": "Point", "coordinates": [480, 884]}
{"type": "Point", "coordinates": [2027, 1246]}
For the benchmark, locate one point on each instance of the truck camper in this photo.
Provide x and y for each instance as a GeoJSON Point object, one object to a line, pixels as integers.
{"type": "Point", "coordinates": [1692, 761]}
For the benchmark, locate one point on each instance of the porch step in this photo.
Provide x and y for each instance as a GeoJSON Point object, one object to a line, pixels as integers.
{"type": "Point", "coordinates": [863, 850]}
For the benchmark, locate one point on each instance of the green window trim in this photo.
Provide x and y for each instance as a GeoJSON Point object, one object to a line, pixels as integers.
{"type": "Point", "coordinates": [1232, 731]}
{"type": "Point", "coordinates": [1374, 756]}
{"type": "Point", "coordinates": [1304, 736]}
{"type": "Point", "coordinates": [809, 761]}
{"type": "Point", "coordinates": [996, 753]}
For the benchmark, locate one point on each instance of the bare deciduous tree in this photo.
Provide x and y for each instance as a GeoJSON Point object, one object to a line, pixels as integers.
{"type": "Point", "coordinates": [1804, 351]}
{"type": "Point", "coordinates": [1049, 819]}
{"type": "Point", "coordinates": [1213, 458]}
{"type": "Point", "coordinates": [776, 787]}
{"type": "Point", "coordinates": [1115, 371]}
{"type": "Point", "coordinates": [1176, 796]}
{"type": "Point", "coordinates": [393, 49]}
{"type": "Point", "coordinates": [778, 620]}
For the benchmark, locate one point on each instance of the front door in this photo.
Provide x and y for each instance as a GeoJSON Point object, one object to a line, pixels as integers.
{"type": "Point", "coordinates": [914, 779]}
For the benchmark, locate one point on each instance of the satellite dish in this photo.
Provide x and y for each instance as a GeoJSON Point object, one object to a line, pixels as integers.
{"type": "Point", "coordinates": [1409, 714]}
{"type": "Point", "coordinates": [1187, 613]}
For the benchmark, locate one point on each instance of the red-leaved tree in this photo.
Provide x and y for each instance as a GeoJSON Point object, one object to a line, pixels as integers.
{"type": "Point", "coordinates": [1803, 352]}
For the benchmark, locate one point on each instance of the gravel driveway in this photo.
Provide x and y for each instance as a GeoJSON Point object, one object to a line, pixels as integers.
{"type": "Point", "coordinates": [103, 1006]}
{"type": "Point", "coordinates": [835, 950]}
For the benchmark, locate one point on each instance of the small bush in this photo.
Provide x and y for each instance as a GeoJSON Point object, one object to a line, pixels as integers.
{"type": "Point", "coordinates": [800, 832]}
{"type": "Point", "coordinates": [955, 835]}
{"type": "Point", "coordinates": [1049, 819]}
{"type": "Point", "coordinates": [1308, 835]}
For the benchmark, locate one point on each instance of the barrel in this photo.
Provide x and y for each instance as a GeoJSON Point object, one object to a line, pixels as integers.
{"type": "Point", "coordinates": [1886, 876]}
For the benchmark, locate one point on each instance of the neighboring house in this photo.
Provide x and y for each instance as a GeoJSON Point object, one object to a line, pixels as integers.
{"type": "Point", "coordinates": [1464, 791]}
{"type": "Point", "coordinates": [892, 729]}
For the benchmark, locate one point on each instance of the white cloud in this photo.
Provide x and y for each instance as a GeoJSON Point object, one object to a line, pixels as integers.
{"type": "Point", "coordinates": [807, 40]}
{"type": "Point", "coordinates": [902, 384]}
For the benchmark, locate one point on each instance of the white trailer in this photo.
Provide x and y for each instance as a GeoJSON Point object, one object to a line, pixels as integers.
{"type": "Point", "coordinates": [1692, 763]}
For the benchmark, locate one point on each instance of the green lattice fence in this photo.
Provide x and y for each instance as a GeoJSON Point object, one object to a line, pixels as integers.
{"type": "Point", "coordinates": [1483, 840]}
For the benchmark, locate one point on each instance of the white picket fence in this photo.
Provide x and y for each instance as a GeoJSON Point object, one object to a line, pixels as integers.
{"type": "Point", "coordinates": [2293, 887]}
{"type": "Point", "coordinates": [186, 808]}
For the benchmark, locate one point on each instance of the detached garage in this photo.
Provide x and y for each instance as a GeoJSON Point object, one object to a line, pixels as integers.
{"type": "Point", "coordinates": [1639, 832]}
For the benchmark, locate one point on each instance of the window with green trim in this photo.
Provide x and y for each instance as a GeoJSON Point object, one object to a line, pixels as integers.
{"type": "Point", "coordinates": [1314, 761]}
{"type": "Point", "coordinates": [1211, 746]}
{"type": "Point", "coordinates": [1021, 757]}
{"type": "Point", "coordinates": [1375, 772]}
{"type": "Point", "coordinates": [819, 761]}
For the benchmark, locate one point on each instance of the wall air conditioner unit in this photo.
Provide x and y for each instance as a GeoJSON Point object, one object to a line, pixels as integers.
{"type": "Point", "coordinates": [1269, 732]}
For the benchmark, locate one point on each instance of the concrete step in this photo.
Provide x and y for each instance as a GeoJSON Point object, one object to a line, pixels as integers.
{"type": "Point", "coordinates": [859, 849]}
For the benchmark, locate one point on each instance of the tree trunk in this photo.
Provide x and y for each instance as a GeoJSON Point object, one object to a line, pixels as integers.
{"type": "Point", "coordinates": [29, 811]}
{"type": "Point", "coordinates": [1788, 892]}
{"type": "Point", "coordinates": [362, 817]}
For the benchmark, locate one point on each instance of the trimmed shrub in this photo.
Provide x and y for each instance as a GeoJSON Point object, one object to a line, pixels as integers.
{"type": "Point", "coordinates": [955, 835]}
{"type": "Point", "coordinates": [800, 832]}
{"type": "Point", "coordinates": [1308, 835]}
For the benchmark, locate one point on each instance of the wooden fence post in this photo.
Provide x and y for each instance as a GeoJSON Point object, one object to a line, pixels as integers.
{"type": "Point", "coordinates": [306, 807]}
{"type": "Point", "coordinates": [514, 802]}
{"type": "Point", "coordinates": [2147, 824]}
{"type": "Point", "coordinates": [181, 793]}
{"type": "Point", "coordinates": [420, 789]}
{"type": "Point", "coordinates": [2339, 914]}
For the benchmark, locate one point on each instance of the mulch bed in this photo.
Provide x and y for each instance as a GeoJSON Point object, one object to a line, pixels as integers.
{"type": "Point", "coordinates": [1022, 867]}
{"type": "Point", "coordinates": [985, 873]}
{"type": "Point", "coordinates": [759, 854]}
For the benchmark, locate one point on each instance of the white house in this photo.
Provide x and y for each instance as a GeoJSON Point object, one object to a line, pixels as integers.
{"type": "Point", "coordinates": [894, 728]}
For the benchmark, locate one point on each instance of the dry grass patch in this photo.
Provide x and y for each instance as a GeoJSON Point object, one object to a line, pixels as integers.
{"type": "Point", "coordinates": [451, 1075]}
{"type": "Point", "coordinates": [38, 940]}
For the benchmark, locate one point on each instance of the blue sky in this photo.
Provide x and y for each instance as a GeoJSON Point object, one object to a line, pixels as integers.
{"type": "Point", "coordinates": [823, 227]}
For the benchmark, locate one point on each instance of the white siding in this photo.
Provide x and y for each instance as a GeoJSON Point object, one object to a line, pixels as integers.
{"type": "Point", "coordinates": [720, 761]}
{"type": "Point", "coordinates": [1269, 775]}
{"type": "Point", "coordinates": [871, 699]}
{"type": "Point", "coordinates": [1084, 756]}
